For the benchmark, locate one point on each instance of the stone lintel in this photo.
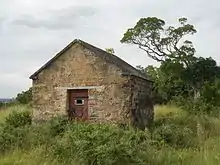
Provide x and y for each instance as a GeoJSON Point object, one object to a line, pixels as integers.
{"type": "Point", "coordinates": [80, 87]}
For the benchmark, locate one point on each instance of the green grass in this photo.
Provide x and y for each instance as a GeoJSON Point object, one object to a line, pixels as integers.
{"type": "Point", "coordinates": [209, 151]}
{"type": "Point", "coordinates": [4, 112]}
{"type": "Point", "coordinates": [58, 143]}
{"type": "Point", "coordinates": [164, 111]}
{"type": "Point", "coordinates": [21, 157]}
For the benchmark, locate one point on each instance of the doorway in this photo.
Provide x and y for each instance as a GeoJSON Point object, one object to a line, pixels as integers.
{"type": "Point", "coordinates": [78, 104]}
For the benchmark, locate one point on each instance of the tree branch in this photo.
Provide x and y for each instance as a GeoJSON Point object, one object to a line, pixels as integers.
{"type": "Point", "coordinates": [149, 54]}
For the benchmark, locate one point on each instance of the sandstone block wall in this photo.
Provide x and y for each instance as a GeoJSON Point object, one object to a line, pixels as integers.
{"type": "Point", "coordinates": [78, 68]}
{"type": "Point", "coordinates": [112, 97]}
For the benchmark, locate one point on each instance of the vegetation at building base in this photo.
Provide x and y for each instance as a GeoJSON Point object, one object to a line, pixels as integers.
{"type": "Point", "coordinates": [177, 137]}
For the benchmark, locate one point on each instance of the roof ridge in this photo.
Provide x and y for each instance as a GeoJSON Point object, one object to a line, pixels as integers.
{"type": "Point", "coordinates": [116, 58]}
{"type": "Point", "coordinates": [126, 67]}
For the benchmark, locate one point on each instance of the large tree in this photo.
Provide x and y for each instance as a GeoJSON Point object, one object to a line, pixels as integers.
{"type": "Point", "coordinates": [161, 42]}
{"type": "Point", "coordinates": [180, 76]}
{"type": "Point", "coordinates": [172, 79]}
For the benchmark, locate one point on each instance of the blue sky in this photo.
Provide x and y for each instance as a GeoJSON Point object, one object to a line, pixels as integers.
{"type": "Point", "coordinates": [32, 31]}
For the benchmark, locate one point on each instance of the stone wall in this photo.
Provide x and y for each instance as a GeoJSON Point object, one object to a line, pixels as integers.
{"type": "Point", "coordinates": [112, 97]}
{"type": "Point", "coordinates": [109, 97]}
{"type": "Point", "coordinates": [142, 105]}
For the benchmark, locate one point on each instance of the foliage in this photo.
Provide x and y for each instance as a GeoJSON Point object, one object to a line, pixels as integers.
{"type": "Point", "coordinates": [181, 137]}
{"type": "Point", "coordinates": [160, 42]}
{"type": "Point", "coordinates": [4, 105]}
{"type": "Point", "coordinates": [7, 110]}
{"type": "Point", "coordinates": [189, 135]}
{"type": "Point", "coordinates": [110, 50]}
{"type": "Point", "coordinates": [210, 92]}
{"type": "Point", "coordinates": [176, 137]}
{"type": "Point", "coordinates": [57, 126]}
{"type": "Point", "coordinates": [195, 87]}
{"type": "Point", "coordinates": [24, 97]}
{"type": "Point", "coordinates": [92, 146]}
{"type": "Point", "coordinates": [35, 156]}
{"type": "Point", "coordinates": [180, 75]}
{"type": "Point", "coordinates": [13, 137]}
{"type": "Point", "coordinates": [18, 119]}
{"type": "Point", "coordinates": [202, 71]}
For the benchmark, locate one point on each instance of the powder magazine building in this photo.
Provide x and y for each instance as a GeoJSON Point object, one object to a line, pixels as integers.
{"type": "Point", "coordinates": [87, 83]}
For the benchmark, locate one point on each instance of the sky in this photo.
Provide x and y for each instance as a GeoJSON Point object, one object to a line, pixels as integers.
{"type": "Point", "coordinates": [33, 31]}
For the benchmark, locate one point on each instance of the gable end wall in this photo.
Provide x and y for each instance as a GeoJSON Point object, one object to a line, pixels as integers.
{"type": "Point", "coordinates": [109, 92]}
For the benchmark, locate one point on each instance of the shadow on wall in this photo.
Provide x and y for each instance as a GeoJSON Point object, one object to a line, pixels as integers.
{"type": "Point", "coordinates": [142, 112]}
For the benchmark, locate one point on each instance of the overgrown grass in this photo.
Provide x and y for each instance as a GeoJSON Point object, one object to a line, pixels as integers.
{"type": "Point", "coordinates": [5, 111]}
{"type": "Point", "coordinates": [24, 157]}
{"type": "Point", "coordinates": [176, 138]}
{"type": "Point", "coordinates": [163, 111]}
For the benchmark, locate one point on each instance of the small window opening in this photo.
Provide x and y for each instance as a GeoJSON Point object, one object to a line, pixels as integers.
{"type": "Point", "coordinates": [79, 102]}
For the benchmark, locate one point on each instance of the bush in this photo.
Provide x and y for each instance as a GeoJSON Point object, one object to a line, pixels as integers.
{"type": "Point", "coordinates": [196, 107]}
{"type": "Point", "coordinates": [24, 97]}
{"type": "Point", "coordinates": [101, 144]}
{"type": "Point", "coordinates": [177, 129]}
{"type": "Point", "coordinates": [58, 125]}
{"type": "Point", "coordinates": [12, 138]}
{"type": "Point", "coordinates": [169, 141]}
{"type": "Point", "coordinates": [175, 135]}
{"type": "Point", "coordinates": [15, 130]}
{"type": "Point", "coordinates": [19, 119]}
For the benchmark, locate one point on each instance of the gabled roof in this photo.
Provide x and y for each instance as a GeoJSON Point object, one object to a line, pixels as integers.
{"type": "Point", "coordinates": [124, 66]}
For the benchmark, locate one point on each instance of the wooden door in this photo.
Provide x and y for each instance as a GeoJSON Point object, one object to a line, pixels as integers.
{"type": "Point", "coordinates": [78, 104]}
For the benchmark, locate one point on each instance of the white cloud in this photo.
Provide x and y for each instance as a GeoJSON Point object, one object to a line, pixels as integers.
{"type": "Point", "coordinates": [32, 31]}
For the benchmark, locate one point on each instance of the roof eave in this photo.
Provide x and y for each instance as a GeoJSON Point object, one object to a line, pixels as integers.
{"type": "Point", "coordinates": [143, 78]}
{"type": "Point", "coordinates": [52, 59]}
{"type": "Point", "coordinates": [34, 76]}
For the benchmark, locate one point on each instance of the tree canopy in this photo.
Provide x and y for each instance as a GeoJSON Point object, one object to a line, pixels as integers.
{"type": "Point", "coordinates": [181, 74]}
{"type": "Point", "coordinates": [161, 42]}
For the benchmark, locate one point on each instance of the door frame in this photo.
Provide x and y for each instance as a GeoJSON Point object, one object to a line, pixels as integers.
{"type": "Point", "coordinates": [81, 96]}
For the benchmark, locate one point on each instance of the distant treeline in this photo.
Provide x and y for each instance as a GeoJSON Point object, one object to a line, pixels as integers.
{"type": "Point", "coordinates": [24, 97]}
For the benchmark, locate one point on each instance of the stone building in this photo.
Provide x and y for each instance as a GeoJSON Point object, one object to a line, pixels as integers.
{"type": "Point", "coordinates": [87, 83]}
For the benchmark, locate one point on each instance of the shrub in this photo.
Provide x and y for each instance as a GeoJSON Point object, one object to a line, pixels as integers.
{"type": "Point", "coordinates": [12, 138]}
{"type": "Point", "coordinates": [58, 125]}
{"type": "Point", "coordinates": [101, 144]}
{"type": "Point", "coordinates": [175, 135]}
{"type": "Point", "coordinates": [17, 131]}
{"type": "Point", "coordinates": [24, 97]}
{"type": "Point", "coordinates": [196, 107]}
{"type": "Point", "coordinates": [176, 131]}
{"type": "Point", "coordinates": [173, 138]}
{"type": "Point", "coordinates": [19, 119]}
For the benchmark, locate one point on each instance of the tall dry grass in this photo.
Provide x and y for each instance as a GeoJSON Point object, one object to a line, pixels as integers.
{"type": "Point", "coordinates": [5, 111]}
